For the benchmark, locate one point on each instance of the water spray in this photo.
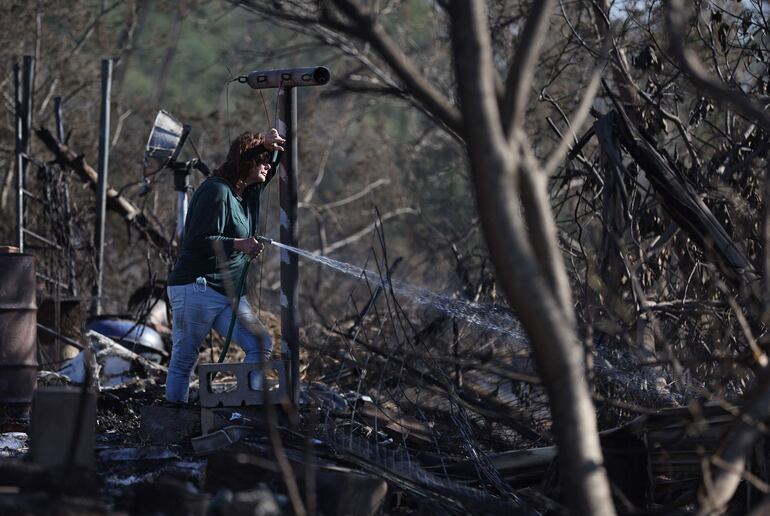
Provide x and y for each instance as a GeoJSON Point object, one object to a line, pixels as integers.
{"type": "Point", "coordinates": [488, 317]}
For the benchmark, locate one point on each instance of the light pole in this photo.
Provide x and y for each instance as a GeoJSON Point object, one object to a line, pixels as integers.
{"type": "Point", "coordinates": [287, 81]}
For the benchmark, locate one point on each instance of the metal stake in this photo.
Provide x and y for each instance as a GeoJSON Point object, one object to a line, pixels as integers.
{"type": "Point", "coordinates": [57, 116]}
{"type": "Point", "coordinates": [19, 152]}
{"type": "Point", "coordinates": [28, 81]}
{"type": "Point", "coordinates": [101, 188]}
{"type": "Point", "coordinates": [287, 125]}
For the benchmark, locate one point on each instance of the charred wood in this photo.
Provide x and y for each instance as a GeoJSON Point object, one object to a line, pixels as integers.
{"type": "Point", "coordinates": [67, 157]}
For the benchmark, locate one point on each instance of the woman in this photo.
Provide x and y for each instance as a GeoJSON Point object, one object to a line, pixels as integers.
{"type": "Point", "coordinates": [217, 244]}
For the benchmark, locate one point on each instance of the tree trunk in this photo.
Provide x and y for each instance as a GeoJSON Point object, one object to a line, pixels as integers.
{"type": "Point", "coordinates": [531, 292]}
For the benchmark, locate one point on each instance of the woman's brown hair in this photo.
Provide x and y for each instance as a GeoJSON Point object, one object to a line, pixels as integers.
{"type": "Point", "coordinates": [246, 148]}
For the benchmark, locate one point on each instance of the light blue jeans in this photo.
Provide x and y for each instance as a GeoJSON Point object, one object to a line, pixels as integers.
{"type": "Point", "coordinates": [195, 310]}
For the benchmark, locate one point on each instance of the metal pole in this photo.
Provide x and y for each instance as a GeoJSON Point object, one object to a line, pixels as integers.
{"type": "Point", "coordinates": [28, 81]}
{"type": "Point", "coordinates": [70, 254]}
{"type": "Point", "coordinates": [287, 126]}
{"type": "Point", "coordinates": [101, 187]}
{"type": "Point", "coordinates": [57, 116]}
{"type": "Point", "coordinates": [181, 184]}
{"type": "Point", "coordinates": [287, 81]}
{"type": "Point", "coordinates": [182, 203]}
{"type": "Point", "coordinates": [24, 83]}
{"type": "Point", "coordinates": [19, 151]}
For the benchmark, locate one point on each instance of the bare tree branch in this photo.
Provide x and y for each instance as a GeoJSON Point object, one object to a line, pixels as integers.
{"type": "Point", "coordinates": [700, 76]}
{"type": "Point", "coordinates": [67, 157]}
{"type": "Point", "coordinates": [367, 29]}
{"type": "Point", "coordinates": [550, 325]}
{"type": "Point", "coordinates": [725, 476]}
{"type": "Point", "coordinates": [351, 198]}
{"type": "Point", "coordinates": [365, 231]}
{"type": "Point", "coordinates": [522, 68]}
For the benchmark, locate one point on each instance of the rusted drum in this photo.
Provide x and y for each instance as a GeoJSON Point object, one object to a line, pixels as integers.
{"type": "Point", "coordinates": [18, 333]}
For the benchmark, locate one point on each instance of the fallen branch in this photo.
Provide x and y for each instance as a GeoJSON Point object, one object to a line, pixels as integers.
{"type": "Point", "coordinates": [681, 201]}
{"type": "Point", "coordinates": [68, 158]}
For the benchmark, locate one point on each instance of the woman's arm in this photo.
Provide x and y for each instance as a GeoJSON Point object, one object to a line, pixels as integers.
{"type": "Point", "coordinates": [207, 219]}
{"type": "Point", "coordinates": [274, 144]}
{"type": "Point", "coordinates": [207, 223]}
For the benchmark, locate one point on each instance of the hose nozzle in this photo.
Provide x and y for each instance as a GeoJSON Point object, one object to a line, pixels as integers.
{"type": "Point", "coordinates": [264, 240]}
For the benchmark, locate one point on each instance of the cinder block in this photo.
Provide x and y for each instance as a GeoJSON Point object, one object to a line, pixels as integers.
{"type": "Point", "coordinates": [235, 471]}
{"type": "Point", "coordinates": [242, 395]}
{"type": "Point", "coordinates": [339, 490]}
{"type": "Point", "coordinates": [168, 495]}
{"type": "Point", "coordinates": [166, 425]}
{"type": "Point", "coordinates": [54, 426]}
{"type": "Point", "coordinates": [344, 491]}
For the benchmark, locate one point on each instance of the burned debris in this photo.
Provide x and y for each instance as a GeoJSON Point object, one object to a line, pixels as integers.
{"type": "Point", "coordinates": [537, 241]}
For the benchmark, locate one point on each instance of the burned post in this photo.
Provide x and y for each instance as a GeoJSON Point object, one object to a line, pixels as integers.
{"type": "Point", "coordinates": [287, 80]}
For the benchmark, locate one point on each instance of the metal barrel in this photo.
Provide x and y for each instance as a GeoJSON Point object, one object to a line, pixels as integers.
{"type": "Point", "coordinates": [18, 333]}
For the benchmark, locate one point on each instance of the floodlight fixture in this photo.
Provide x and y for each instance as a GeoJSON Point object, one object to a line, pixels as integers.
{"type": "Point", "coordinates": [166, 138]}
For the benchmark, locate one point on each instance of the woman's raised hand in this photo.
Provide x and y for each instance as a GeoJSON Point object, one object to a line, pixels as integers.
{"type": "Point", "coordinates": [273, 140]}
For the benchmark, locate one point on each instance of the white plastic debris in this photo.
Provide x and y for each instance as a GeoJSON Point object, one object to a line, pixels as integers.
{"type": "Point", "coordinates": [51, 379]}
{"type": "Point", "coordinates": [116, 366]}
{"type": "Point", "coordinates": [13, 444]}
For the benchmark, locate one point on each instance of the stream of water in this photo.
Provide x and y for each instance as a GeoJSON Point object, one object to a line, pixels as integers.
{"type": "Point", "coordinates": [486, 316]}
{"type": "Point", "coordinates": [494, 318]}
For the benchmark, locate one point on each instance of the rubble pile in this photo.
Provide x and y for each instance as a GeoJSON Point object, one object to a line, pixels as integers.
{"type": "Point", "coordinates": [374, 432]}
{"type": "Point", "coordinates": [147, 460]}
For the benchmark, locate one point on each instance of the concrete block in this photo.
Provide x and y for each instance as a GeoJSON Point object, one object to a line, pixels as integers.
{"type": "Point", "coordinates": [339, 490]}
{"type": "Point", "coordinates": [259, 501]}
{"type": "Point", "coordinates": [237, 471]}
{"type": "Point", "coordinates": [166, 425]}
{"type": "Point", "coordinates": [57, 414]}
{"type": "Point", "coordinates": [345, 492]}
{"type": "Point", "coordinates": [170, 496]}
{"type": "Point", "coordinates": [242, 394]}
